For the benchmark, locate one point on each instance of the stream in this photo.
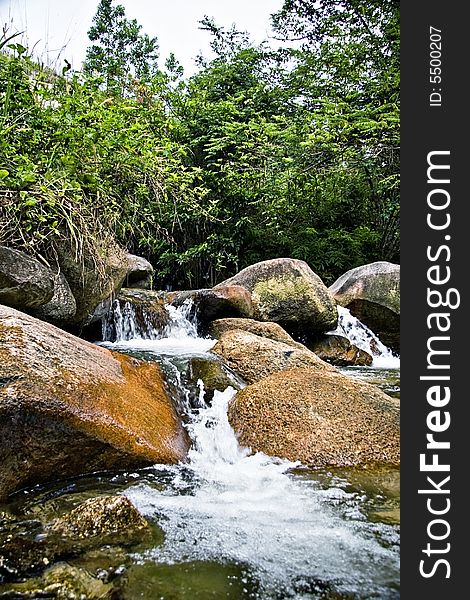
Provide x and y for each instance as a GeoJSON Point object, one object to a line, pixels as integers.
{"type": "Point", "coordinates": [236, 525]}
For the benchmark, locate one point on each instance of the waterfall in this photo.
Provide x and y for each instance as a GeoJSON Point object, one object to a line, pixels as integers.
{"type": "Point", "coordinates": [228, 505]}
{"type": "Point", "coordinates": [365, 339]}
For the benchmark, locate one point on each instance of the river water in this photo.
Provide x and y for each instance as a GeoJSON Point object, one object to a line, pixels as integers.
{"type": "Point", "coordinates": [293, 532]}
{"type": "Point", "coordinates": [234, 525]}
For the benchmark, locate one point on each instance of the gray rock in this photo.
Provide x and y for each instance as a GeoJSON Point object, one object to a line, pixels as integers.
{"type": "Point", "coordinates": [24, 282]}
{"type": "Point", "coordinates": [372, 294]}
{"type": "Point", "coordinates": [140, 272]}
{"type": "Point", "coordinates": [94, 277]}
{"type": "Point", "coordinates": [62, 307]}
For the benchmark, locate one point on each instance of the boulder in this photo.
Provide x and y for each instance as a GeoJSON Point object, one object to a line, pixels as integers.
{"type": "Point", "coordinates": [253, 357]}
{"type": "Point", "coordinates": [288, 292]}
{"type": "Point", "coordinates": [24, 282]}
{"type": "Point", "coordinates": [61, 308]}
{"type": "Point", "coordinates": [372, 294]}
{"type": "Point", "coordinates": [223, 302]}
{"type": "Point", "coordinates": [93, 277]}
{"type": "Point", "coordinates": [69, 407]}
{"type": "Point", "coordinates": [338, 350]}
{"type": "Point", "coordinates": [319, 417]}
{"type": "Point", "coordinates": [139, 273]}
{"type": "Point", "coordinates": [272, 331]}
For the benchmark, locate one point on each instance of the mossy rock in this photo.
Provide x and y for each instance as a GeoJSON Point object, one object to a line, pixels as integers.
{"type": "Point", "coordinates": [288, 292]}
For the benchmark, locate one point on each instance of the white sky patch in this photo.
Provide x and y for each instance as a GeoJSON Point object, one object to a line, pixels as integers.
{"type": "Point", "coordinates": [57, 29]}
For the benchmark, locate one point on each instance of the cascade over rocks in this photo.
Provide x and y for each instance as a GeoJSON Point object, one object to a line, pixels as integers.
{"type": "Point", "coordinates": [372, 294]}
{"type": "Point", "coordinates": [25, 283]}
{"type": "Point", "coordinates": [69, 407]}
{"type": "Point", "coordinates": [288, 292]}
{"type": "Point", "coordinates": [253, 357]}
{"type": "Point", "coordinates": [320, 417]}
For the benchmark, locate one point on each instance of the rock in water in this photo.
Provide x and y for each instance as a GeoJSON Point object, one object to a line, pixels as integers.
{"type": "Point", "coordinates": [112, 519]}
{"type": "Point", "coordinates": [319, 417]}
{"type": "Point", "coordinates": [288, 292]}
{"type": "Point", "coordinates": [24, 282]}
{"type": "Point", "coordinates": [338, 350]}
{"type": "Point", "coordinates": [266, 329]}
{"type": "Point", "coordinates": [372, 294]}
{"type": "Point", "coordinates": [253, 357]}
{"type": "Point", "coordinates": [69, 407]}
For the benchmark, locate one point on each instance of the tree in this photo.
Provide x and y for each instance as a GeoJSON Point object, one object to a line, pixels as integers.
{"type": "Point", "coordinates": [121, 51]}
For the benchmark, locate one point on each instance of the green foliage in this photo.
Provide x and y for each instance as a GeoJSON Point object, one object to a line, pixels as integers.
{"type": "Point", "coordinates": [261, 154]}
{"type": "Point", "coordinates": [120, 52]}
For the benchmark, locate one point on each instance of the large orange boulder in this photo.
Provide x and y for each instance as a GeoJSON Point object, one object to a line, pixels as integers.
{"type": "Point", "coordinates": [69, 407]}
{"type": "Point", "coordinates": [319, 417]}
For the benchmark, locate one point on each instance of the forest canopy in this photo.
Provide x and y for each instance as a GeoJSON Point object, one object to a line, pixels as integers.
{"type": "Point", "coordinates": [282, 149]}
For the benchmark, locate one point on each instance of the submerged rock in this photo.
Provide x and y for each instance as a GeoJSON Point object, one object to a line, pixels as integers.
{"type": "Point", "coordinates": [69, 407]}
{"type": "Point", "coordinates": [24, 282]}
{"type": "Point", "coordinates": [254, 357]}
{"type": "Point", "coordinates": [112, 519]}
{"type": "Point", "coordinates": [288, 292]}
{"type": "Point", "coordinates": [338, 350]}
{"type": "Point", "coordinates": [319, 417]}
{"type": "Point", "coordinates": [372, 294]}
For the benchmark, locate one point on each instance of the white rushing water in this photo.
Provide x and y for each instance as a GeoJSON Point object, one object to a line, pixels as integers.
{"type": "Point", "coordinates": [365, 339]}
{"type": "Point", "coordinates": [228, 505]}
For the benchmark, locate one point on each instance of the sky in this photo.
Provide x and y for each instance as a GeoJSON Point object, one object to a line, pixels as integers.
{"type": "Point", "coordinates": [58, 28]}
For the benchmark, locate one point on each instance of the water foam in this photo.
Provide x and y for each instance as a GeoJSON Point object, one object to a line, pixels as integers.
{"type": "Point", "coordinates": [365, 339]}
{"type": "Point", "coordinates": [227, 504]}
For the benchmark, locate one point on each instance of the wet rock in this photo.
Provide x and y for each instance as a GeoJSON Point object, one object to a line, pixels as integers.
{"type": "Point", "coordinates": [372, 294]}
{"type": "Point", "coordinates": [223, 302]}
{"type": "Point", "coordinates": [62, 307]}
{"type": "Point", "coordinates": [111, 519]}
{"type": "Point", "coordinates": [68, 407]}
{"type": "Point", "coordinates": [254, 357]}
{"type": "Point", "coordinates": [144, 309]}
{"type": "Point", "coordinates": [140, 272]}
{"type": "Point", "coordinates": [288, 292]}
{"type": "Point", "coordinates": [215, 376]}
{"type": "Point", "coordinates": [25, 283]}
{"type": "Point", "coordinates": [338, 350]}
{"type": "Point", "coordinates": [319, 417]}
{"type": "Point", "coordinates": [272, 331]}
